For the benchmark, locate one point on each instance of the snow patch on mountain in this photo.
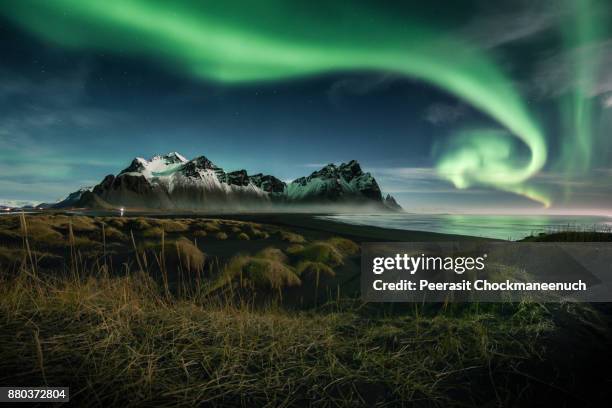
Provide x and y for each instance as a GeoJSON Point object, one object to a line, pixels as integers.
{"type": "Point", "coordinates": [157, 166]}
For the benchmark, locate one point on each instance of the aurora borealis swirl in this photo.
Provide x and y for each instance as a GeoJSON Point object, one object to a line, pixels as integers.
{"type": "Point", "coordinates": [237, 42]}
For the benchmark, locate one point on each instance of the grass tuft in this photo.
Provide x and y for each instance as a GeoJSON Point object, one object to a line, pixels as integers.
{"type": "Point", "coordinates": [173, 226]}
{"type": "Point", "coordinates": [267, 269]}
{"type": "Point", "coordinates": [322, 252]}
{"type": "Point", "coordinates": [291, 237]}
{"type": "Point", "coordinates": [113, 234]}
{"type": "Point", "coordinates": [153, 232]}
{"type": "Point", "coordinates": [221, 236]}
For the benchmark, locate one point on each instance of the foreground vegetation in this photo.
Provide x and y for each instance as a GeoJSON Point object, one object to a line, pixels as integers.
{"type": "Point", "coordinates": [197, 255]}
{"type": "Point", "coordinates": [129, 337]}
{"type": "Point", "coordinates": [119, 341]}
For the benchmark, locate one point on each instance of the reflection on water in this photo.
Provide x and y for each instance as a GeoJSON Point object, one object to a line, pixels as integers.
{"type": "Point", "coordinates": [491, 226]}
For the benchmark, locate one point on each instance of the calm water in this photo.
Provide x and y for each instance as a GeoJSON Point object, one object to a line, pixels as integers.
{"type": "Point", "coordinates": [491, 226]}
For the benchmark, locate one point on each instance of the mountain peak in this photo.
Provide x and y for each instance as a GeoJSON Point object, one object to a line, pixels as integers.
{"type": "Point", "coordinates": [202, 162]}
{"type": "Point", "coordinates": [172, 157]}
{"type": "Point", "coordinates": [391, 203]}
{"type": "Point", "coordinates": [351, 169]}
{"type": "Point", "coordinates": [158, 164]}
{"type": "Point", "coordinates": [347, 171]}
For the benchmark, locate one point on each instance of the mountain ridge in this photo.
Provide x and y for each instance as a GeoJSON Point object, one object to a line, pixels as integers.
{"type": "Point", "coordinates": [171, 181]}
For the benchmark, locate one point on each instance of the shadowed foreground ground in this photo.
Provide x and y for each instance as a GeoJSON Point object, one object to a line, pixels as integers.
{"type": "Point", "coordinates": [218, 312]}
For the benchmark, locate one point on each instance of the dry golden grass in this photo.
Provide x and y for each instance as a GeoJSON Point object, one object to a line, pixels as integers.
{"type": "Point", "coordinates": [331, 252]}
{"type": "Point", "coordinates": [294, 249]}
{"type": "Point", "coordinates": [11, 256]}
{"type": "Point", "coordinates": [10, 237]}
{"type": "Point", "coordinates": [121, 341]}
{"type": "Point", "coordinates": [173, 256]}
{"type": "Point", "coordinates": [200, 233]}
{"type": "Point", "coordinates": [221, 236]}
{"type": "Point", "coordinates": [126, 341]}
{"type": "Point", "coordinates": [313, 270]}
{"type": "Point", "coordinates": [153, 232]}
{"type": "Point", "coordinates": [86, 242]}
{"type": "Point", "coordinates": [9, 222]}
{"type": "Point", "coordinates": [82, 223]}
{"type": "Point", "coordinates": [54, 233]}
{"type": "Point", "coordinates": [79, 223]}
{"type": "Point", "coordinates": [320, 251]}
{"type": "Point", "coordinates": [267, 269]}
{"type": "Point", "coordinates": [43, 233]}
{"type": "Point", "coordinates": [258, 234]}
{"type": "Point", "coordinates": [345, 246]}
{"type": "Point", "coordinates": [117, 222]}
{"type": "Point", "coordinates": [291, 237]}
{"type": "Point", "coordinates": [173, 225]}
{"type": "Point", "coordinates": [141, 223]}
{"type": "Point", "coordinates": [113, 234]}
{"type": "Point", "coordinates": [273, 254]}
{"type": "Point", "coordinates": [258, 272]}
{"type": "Point", "coordinates": [189, 254]}
{"type": "Point", "coordinates": [211, 227]}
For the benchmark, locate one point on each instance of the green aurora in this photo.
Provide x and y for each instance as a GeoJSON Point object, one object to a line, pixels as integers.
{"type": "Point", "coordinates": [235, 41]}
{"type": "Point", "coordinates": [578, 35]}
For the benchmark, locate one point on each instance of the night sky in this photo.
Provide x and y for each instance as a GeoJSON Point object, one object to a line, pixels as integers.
{"type": "Point", "coordinates": [453, 106]}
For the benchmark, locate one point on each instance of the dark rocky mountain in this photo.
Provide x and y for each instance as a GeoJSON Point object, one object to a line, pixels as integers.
{"type": "Point", "coordinates": [173, 182]}
{"type": "Point", "coordinates": [93, 201]}
{"type": "Point", "coordinates": [71, 200]}
{"type": "Point", "coordinates": [390, 202]}
{"type": "Point", "coordinates": [346, 182]}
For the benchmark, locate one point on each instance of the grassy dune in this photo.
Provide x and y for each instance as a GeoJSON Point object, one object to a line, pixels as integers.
{"type": "Point", "coordinates": [195, 255]}
{"type": "Point", "coordinates": [160, 317]}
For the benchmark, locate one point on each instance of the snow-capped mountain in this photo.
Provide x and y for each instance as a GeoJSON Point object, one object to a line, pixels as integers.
{"type": "Point", "coordinates": [335, 183]}
{"type": "Point", "coordinates": [172, 182]}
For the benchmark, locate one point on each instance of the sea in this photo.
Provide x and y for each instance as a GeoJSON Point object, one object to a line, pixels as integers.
{"type": "Point", "coordinates": [509, 227]}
